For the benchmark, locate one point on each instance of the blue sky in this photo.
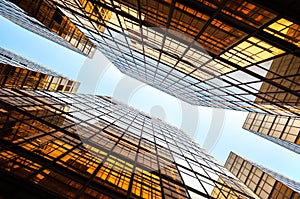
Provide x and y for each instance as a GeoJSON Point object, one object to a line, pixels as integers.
{"type": "Point", "coordinates": [99, 76]}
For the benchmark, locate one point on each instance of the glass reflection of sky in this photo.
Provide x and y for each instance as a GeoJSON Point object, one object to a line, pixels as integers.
{"type": "Point", "coordinates": [233, 138]}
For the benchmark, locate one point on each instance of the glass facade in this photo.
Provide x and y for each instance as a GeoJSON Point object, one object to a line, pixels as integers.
{"type": "Point", "coordinates": [265, 183]}
{"type": "Point", "coordinates": [19, 72]}
{"type": "Point", "coordinates": [289, 145]}
{"type": "Point", "coordinates": [287, 76]}
{"type": "Point", "coordinates": [84, 146]}
{"type": "Point", "coordinates": [282, 130]}
{"type": "Point", "coordinates": [232, 54]}
{"type": "Point", "coordinates": [44, 19]}
{"type": "Point", "coordinates": [208, 53]}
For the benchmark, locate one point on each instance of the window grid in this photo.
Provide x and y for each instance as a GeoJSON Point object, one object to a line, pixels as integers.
{"type": "Point", "coordinates": [143, 161]}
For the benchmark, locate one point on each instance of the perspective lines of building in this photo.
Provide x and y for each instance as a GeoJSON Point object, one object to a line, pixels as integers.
{"type": "Point", "coordinates": [233, 54]}
{"type": "Point", "coordinates": [84, 146]}
{"type": "Point", "coordinates": [19, 72]}
{"type": "Point", "coordinates": [264, 182]}
{"type": "Point", "coordinates": [281, 130]}
{"type": "Point", "coordinates": [48, 22]}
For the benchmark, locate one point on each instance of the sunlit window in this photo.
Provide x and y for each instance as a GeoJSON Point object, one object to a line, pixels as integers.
{"type": "Point", "coordinates": [251, 51]}
{"type": "Point", "coordinates": [285, 29]}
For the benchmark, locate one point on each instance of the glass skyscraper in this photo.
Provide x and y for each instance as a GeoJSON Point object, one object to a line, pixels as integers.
{"type": "Point", "coordinates": [18, 72]}
{"type": "Point", "coordinates": [44, 19]}
{"type": "Point", "coordinates": [234, 54]}
{"type": "Point", "coordinates": [281, 130]}
{"type": "Point", "coordinates": [84, 146]}
{"type": "Point", "coordinates": [264, 182]}
{"type": "Point", "coordinates": [209, 53]}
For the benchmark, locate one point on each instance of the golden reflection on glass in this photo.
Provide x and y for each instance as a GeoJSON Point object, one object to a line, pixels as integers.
{"type": "Point", "coordinates": [248, 12]}
{"type": "Point", "coordinates": [226, 188]}
{"type": "Point", "coordinates": [96, 13]}
{"type": "Point", "coordinates": [251, 51]}
{"type": "Point", "coordinates": [263, 182]}
{"type": "Point", "coordinates": [134, 158]}
{"type": "Point", "coordinates": [146, 185]}
{"type": "Point", "coordinates": [116, 171]}
{"type": "Point", "coordinates": [49, 15]}
{"type": "Point", "coordinates": [15, 77]}
{"type": "Point", "coordinates": [286, 30]}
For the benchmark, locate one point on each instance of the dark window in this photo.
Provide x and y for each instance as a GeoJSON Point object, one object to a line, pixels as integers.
{"type": "Point", "coordinates": [57, 16]}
